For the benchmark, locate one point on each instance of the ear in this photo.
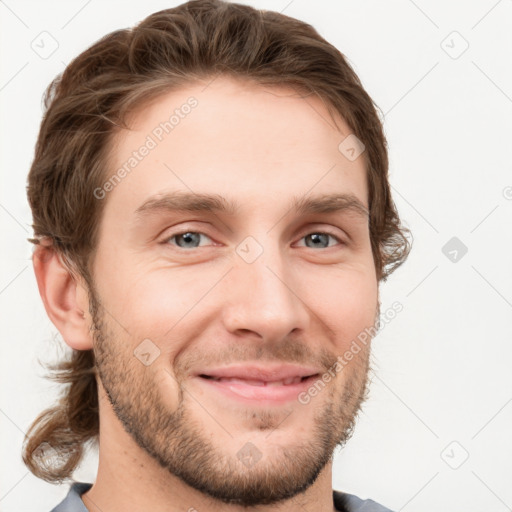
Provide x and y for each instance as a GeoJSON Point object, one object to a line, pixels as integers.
{"type": "Point", "coordinates": [65, 299]}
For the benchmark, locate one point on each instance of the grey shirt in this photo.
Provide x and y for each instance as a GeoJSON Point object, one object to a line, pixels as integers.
{"type": "Point", "coordinates": [342, 501]}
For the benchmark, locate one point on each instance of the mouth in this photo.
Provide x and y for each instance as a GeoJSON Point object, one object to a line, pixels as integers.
{"type": "Point", "coordinates": [283, 382]}
{"type": "Point", "coordinates": [261, 392]}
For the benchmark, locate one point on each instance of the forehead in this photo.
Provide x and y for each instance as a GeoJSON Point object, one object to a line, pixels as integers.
{"type": "Point", "coordinates": [259, 144]}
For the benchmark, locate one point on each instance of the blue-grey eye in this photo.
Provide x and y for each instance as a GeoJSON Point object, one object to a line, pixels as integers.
{"type": "Point", "coordinates": [190, 239]}
{"type": "Point", "coordinates": [319, 239]}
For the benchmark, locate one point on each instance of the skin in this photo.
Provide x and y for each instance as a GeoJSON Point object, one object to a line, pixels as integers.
{"type": "Point", "coordinates": [168, 442]}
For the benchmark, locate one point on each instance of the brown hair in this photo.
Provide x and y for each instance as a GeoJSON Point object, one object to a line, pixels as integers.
{"type": "Point", "coordinates": [90, 100]}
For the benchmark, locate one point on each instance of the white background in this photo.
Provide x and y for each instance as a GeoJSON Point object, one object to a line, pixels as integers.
{"type": "Point", "coordinates": [442, 389]}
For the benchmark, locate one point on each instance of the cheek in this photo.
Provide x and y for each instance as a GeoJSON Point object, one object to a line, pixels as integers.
{"type": "Point", "coordinates": [150, 302]}
{"type": "Point", "coordinates": [346, 301]}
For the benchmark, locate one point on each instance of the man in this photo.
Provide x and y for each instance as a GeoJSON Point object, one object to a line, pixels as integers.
{"type": "Point", "coordinates": [212, 219]}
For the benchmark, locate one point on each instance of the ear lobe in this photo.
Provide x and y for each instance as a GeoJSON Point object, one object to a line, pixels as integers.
{"type": "Point", "coordinates": [63, 298]}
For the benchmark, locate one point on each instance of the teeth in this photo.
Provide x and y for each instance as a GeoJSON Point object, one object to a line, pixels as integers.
{"type": "Point", "coordinates": [285, 382]}
{"type": "Point", "coordinates": [292, 380]}
{"type": "Point", "coordinates": [234, 379]}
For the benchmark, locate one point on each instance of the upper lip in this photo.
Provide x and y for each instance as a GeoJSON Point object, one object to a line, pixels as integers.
{"type": "Point", "coordinates": [267, 373]}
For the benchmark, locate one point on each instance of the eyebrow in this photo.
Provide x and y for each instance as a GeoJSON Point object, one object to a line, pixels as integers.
{"type": "Point", "coordinates": [196, 202]}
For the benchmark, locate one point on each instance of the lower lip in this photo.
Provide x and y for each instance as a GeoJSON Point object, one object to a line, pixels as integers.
{"type": "Point", "coordinates": [265, 395]}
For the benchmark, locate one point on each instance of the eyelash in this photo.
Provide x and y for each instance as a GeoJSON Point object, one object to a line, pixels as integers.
{"type": "Point", "coordinates": [167, 239]}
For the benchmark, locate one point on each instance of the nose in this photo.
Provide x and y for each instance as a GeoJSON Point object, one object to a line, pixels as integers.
{"type": "Point", "coordinates": [263, 299]}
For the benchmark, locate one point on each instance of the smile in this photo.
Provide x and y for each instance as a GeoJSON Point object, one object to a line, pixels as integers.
{"type": "Point", "coordinates": [264, 392]}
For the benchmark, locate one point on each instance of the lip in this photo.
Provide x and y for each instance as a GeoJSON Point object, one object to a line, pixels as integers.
{"type": "Point", "coordinates": [267, 373]}
{"type": "Point", "coordinates": [264, 392]}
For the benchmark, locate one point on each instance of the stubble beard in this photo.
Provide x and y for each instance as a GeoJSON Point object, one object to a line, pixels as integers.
{"type": "Point", "coordinates": [177, 440]}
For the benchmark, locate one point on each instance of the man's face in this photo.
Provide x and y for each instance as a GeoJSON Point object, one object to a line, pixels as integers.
{"type": "Point", "coordinates": [182, 294]}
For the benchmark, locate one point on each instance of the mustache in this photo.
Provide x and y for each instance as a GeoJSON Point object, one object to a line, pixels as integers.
{"type": "Point", "coordinates": [288, 352]}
